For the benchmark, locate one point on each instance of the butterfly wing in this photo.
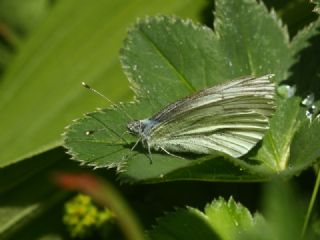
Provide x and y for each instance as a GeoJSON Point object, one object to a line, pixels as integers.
{"type": "Point", "coordinates": [229, 118]}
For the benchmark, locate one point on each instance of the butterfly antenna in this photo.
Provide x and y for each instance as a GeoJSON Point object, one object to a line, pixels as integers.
{"type": "Point", "coordinates": [107, 99]}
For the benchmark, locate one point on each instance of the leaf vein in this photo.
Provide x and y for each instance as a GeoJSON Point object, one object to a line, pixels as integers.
{"type": "Point", "coordinates": [180, 75]}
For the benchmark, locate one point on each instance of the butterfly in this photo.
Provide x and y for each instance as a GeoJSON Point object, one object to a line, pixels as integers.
{"type": "Point", "coordinates": [229, 118]}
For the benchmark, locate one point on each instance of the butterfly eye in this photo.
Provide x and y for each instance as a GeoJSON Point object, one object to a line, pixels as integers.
{"type": "Point", "coordinates": [134, 127]}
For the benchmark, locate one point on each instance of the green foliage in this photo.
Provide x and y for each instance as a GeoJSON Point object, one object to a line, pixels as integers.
{"type": "Point", "coordinates": [43, 83]}
{"type": "Point", "coordinates": [166, 58]}
{"type": "Point", "coordinates": [317, 7]}
{"type": "Point", "coordinates": [47, 48]}
{"type": "Point", "coordinates": [17, 19]}
{"type": "Point", "coordinates": [26, 194]}
{"type": "Point", "coordinates": [24, 16]}
{"type": "Point", "coordinates": [230, 220]}
{"type": "Point", "coordinates": [220, 220]}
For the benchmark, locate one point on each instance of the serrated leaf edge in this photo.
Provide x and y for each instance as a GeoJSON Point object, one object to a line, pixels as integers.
{"type": "Point", "coordinates": [171, 19]}
{"type": "Point", "coordinates": [75, 156]}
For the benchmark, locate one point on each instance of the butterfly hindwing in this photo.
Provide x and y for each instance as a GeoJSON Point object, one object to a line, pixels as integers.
{"type": "Point", "coordinates": [229, 118]}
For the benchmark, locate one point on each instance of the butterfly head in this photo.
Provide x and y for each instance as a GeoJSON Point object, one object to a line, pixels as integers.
{"type": "Point", "coordinates": [135, 127]}
{"type": "Point", "coordinates": [141, 127]}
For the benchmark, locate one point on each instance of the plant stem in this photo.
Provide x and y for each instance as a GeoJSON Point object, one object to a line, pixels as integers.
{"type": "Point", "coordinates": [311, 204]}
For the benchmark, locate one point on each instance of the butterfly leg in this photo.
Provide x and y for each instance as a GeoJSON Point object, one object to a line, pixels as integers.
{"type": "Point", "coordinates": [124, 133]}
{"type": "Point", "coordinates": [171, 154]}
{"type": "Point", "coordinates": [128, 156]}
{"type": "Point", "coordinates": [134, 146]}
{"type": "Point", "coordinates": [149, 151]}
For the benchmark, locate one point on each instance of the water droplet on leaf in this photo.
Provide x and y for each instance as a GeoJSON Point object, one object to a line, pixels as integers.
{"type": "Point", "coordinates": [286, 91]}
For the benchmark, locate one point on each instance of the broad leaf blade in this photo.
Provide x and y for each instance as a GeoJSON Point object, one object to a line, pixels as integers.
{"type": "Point", "coordinates": [100, 140]}
{"type": "Point", "coordinates": [302, 39]}
{"type": "Point", "coordinates": [79, 41]}
{"type": "Point", "coordinates": [184, 224]}
{"type": "Point", "coordinates": [230, 219]}
{"type": "Point", "coordinates": [218, 63]}
{"type": "Point", "coordinates": [252, 40]}
{"type": "Point", "coordinates": [160, 74]}
{"type": "Point", "coordinates": [220, 220]}
{"type": "Point", "coordinates": [34, 195]}
{"type": "Point", "coordinates": [110, 146]}
{"type": "Point", "coordinates": [291, 145]}
{"type": "Point", "coordinates": [162, 53]}
{"type": "Point", "coordinates": [306, 70]}
{"type": "Point", "coordinates": [275, 149]}
{"type": "Point", "coordinates": [305, 149]}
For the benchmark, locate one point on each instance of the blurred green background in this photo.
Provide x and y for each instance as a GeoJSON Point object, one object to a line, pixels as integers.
{"type": "Point", "coordinates": [47, 48]}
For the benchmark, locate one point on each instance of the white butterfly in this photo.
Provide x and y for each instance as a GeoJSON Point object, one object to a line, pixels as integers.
{"type": "Point", "coordinates": [229, 118]}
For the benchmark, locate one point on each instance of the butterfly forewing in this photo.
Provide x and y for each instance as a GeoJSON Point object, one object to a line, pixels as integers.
{"type": "Point", "coordinates": [248, 86]}
{"type": "Point", "coordinates": [229, 118]}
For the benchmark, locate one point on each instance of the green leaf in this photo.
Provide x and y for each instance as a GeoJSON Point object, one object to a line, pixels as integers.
{"type": "Point", "coordinates": [185, 224]}
{"type": "Point", "coordinates": [305, 146]}
{"type": "Point", "coordinates": [253, 40]}
{"type": "Point", "coordinates": [317, 7]}
{"type": "Point", "coordinates": [47, 226]}
{"type": "Point", "coordinates": [230, 218]}
{"type": "Point", "coordinates": [305, 72]}
{"type": "Point", "coordinates": [275, 150]}
{"type": "Point", "coordinates": [166, 58]}
{"type": "Point", "coordinates": [16, 174]}
{"type": "Point", "coordinates": [295, 13]}
{"type": "Point", "coordinates": [220, 220]}
{"type": "Point", "coordinates": [33, 195]}
{"type": "Point", "coordinates": [41, 92]}
{"type": "Point", "coordinates": [292, 143]}
{"type": "Point", "coordinates": [302, 39]}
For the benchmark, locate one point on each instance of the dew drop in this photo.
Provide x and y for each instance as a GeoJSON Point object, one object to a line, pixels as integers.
{"type": "Point", "coordinates": [309, 115]}
{"type": "Point", "coordinates": [286, 91]}
{"type": "Point", "coordinates": [311, 112]}
{"type": "Point", "coordinates": [134, 67]}
{"type": "Point", "coordinates": [308, 100]}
